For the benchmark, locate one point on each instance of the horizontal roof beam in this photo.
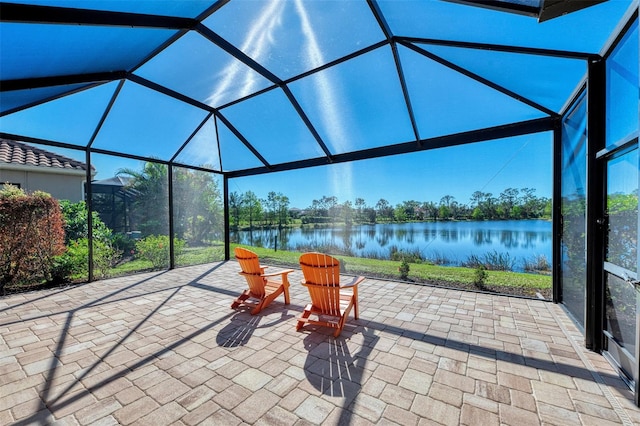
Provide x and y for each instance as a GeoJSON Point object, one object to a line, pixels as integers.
{"type": "Point", "coordinates": [504, 6]}
{"type": "Point", "coordinates": [487, 134]}
{"type": "Point", "coordinates": [60, 80]}
{"type": "Point", "coordinates": [501, 48]}
{"type": "Point", "coordinates": [28, 13]}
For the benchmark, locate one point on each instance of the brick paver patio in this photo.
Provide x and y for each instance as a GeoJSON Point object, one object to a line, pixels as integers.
{"type": "Point", "coordinates": [166, 349]}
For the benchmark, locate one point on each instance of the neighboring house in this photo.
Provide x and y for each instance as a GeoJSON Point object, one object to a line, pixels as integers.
{"type": "Point", "coordinates": [33, 168]}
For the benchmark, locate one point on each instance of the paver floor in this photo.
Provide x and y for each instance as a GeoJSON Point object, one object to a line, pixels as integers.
{"type": "Point", "coordinates": [166, 349]}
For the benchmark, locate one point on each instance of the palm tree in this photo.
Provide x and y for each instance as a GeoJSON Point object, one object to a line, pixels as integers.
{"type": "Point", "coordinates": [151, 206]}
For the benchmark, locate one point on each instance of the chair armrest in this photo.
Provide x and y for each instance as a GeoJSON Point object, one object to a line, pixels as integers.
{"type": "Point", "coordinates": [353, 283]}
{"type": "Point", "coordinates": [274, 274]}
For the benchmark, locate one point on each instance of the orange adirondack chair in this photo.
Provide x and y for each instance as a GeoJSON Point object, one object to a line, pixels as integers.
{"type": "Point", "coordinates": [261, 286]}
{"type": "Point", "coordinates": [330, 301]}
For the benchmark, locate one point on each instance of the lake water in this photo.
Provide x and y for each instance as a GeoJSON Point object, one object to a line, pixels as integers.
{"type": "Point", "coordinates": [453, 241]}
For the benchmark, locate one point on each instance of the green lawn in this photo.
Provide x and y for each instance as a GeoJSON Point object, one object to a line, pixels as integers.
{"type": "Point", "coordinates": [189, 256]}
{"type": "Point", "coordinates": [515, 283]}
{"type": "Point", "coordinates": [498, 281]}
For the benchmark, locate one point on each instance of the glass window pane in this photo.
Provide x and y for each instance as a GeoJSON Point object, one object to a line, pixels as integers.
{"type": "Point", "coordinates": [147, 123]}
{"type": "Point", "coordinates": [434, 19]}
{"type": "Point", "coordinates": [186, 9]}
{"type": "Point", "coordinates": [622, 210]}
{"type": "Point", "coordinates": [445, 101]}
{"type": "Point", "coordinates": [235, 155]}
{"type": "Point", "coordinates": [198, 217]}
{"type": "Point", "coordinates": [623, 88]}
{"type": "Point", "coordinates": [289, 38]}
{"type": "Point", "coordinates": [202, 150]}
{"type": "Point", "coordinates": [132, 200]}
{"type": "Point", "coordinates": [38, 50]}
{"type": "Point", "coordinates": [70, 119]}
{"type": "Point", "coordinates": [372, 207]}
{"type": "Point", "coordinates": [357, 104]}
{"type": "Point", "coordinates": [573, 245]}
{"type": "Point", "coordinates": [621, 312]}
{"type": "Point", "coordinates": [199, 69]}
{"type": "Point", "coordinates": [271, 124]}
{"type": "Point", "coordinates": [547, 80]}
{"type": "Point", "coordinates": [448, 173]}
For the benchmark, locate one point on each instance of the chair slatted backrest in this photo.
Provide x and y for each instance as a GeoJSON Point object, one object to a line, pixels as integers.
{"type": "Point", "coordinates": [251, 270]}
{"type": "Point", "coordinates": [322, 278]}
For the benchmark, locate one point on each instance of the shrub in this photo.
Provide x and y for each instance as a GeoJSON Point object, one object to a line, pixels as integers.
{"type": "Point", "coordinates": [124, 243]}
{"type": "Point", "coordinates": [492, 261]}
{"type": "Point", "coordinates": [75, 261]}
{"type": "Point", "coordinates": [537, 263]}
{"type": "Point", "coordinates": [76, 222]}
{"type": "Point", "coordinates": [473, 261]}
{"type": "Point", "coordinates": [413, 256]}
{"type": "Point", "coordinates": [404, 269]}
{"type": "Point", "coordinates": [105, 257]}
{"type": "Point", "coordinates": [155, 249]}
{"type": "Point", "coordinates": [480, 276]}
{"type": "Point", "coordinates": [31, 235]}
{"type": "Point", "coordinates": [499, 261]}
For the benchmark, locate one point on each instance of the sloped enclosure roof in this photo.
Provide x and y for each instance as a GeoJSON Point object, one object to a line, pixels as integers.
{"type": "Point", "coordinates": [246, 87]}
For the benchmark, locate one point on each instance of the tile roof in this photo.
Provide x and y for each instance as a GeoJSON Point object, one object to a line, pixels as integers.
{"type": "Point", "coordinates": [14, 152]}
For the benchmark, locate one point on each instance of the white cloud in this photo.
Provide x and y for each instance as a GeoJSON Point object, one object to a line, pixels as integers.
{"type": "Point", "coordinates": [257, 46]}
{"type": "Point", "coordinates": [331, 114]}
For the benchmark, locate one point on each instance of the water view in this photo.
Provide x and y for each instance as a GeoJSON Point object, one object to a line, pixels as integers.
{"type": "Point", "coordinates": [449, 243]}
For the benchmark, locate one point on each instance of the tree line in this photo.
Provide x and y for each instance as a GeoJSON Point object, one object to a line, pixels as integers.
{"type": "Point", "coordinates": [247, 209]}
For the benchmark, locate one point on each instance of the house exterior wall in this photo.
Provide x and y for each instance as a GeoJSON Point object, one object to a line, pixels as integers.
{"type": "Point", "coordinates": [62, 186]}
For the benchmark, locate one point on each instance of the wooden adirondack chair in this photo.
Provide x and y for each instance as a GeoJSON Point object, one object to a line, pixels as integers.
{"type": "Point", "coordinates": [262, 287]}
{"type": "Point", "coordinates": [330, 301]}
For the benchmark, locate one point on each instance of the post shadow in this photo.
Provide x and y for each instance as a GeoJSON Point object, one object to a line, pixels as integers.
{"type": "Point", "coordinates": [242, 325]}
{"type": "Point", "coordinates": [58, 351]}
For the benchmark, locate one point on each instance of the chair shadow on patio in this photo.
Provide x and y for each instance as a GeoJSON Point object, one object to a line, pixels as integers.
{"type": "Point", "coordinates": [242, 325]}
{"type": "Point", "coordinates": [332, 368]}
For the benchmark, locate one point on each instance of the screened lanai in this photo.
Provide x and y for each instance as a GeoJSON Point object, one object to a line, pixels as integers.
{"type": "Point", "coordinates": [247, 89]}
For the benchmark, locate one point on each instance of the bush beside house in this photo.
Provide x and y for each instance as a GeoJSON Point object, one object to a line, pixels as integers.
{"type": "Point", "coordinates": [31, 236]}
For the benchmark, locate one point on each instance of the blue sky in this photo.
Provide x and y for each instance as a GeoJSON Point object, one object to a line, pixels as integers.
{"type": "Point", "coordinates": [353, 106]}
{"type": "Point", "coordinates": [493, 166]}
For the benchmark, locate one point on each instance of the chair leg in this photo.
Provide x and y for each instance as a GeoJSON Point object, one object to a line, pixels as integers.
{"type": "Point", "coordinates": [244, 296]}
{"type": "Point", "coordinates": [258, 307]}
{"type": "Point", "coordinates": [285, 285]}
{"type": "Point", "coordinates": [305, 314]}
{"type": "Point", "coordinates": [341, 323]}
{"type": "Point", "coordinates": [355, 302]}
